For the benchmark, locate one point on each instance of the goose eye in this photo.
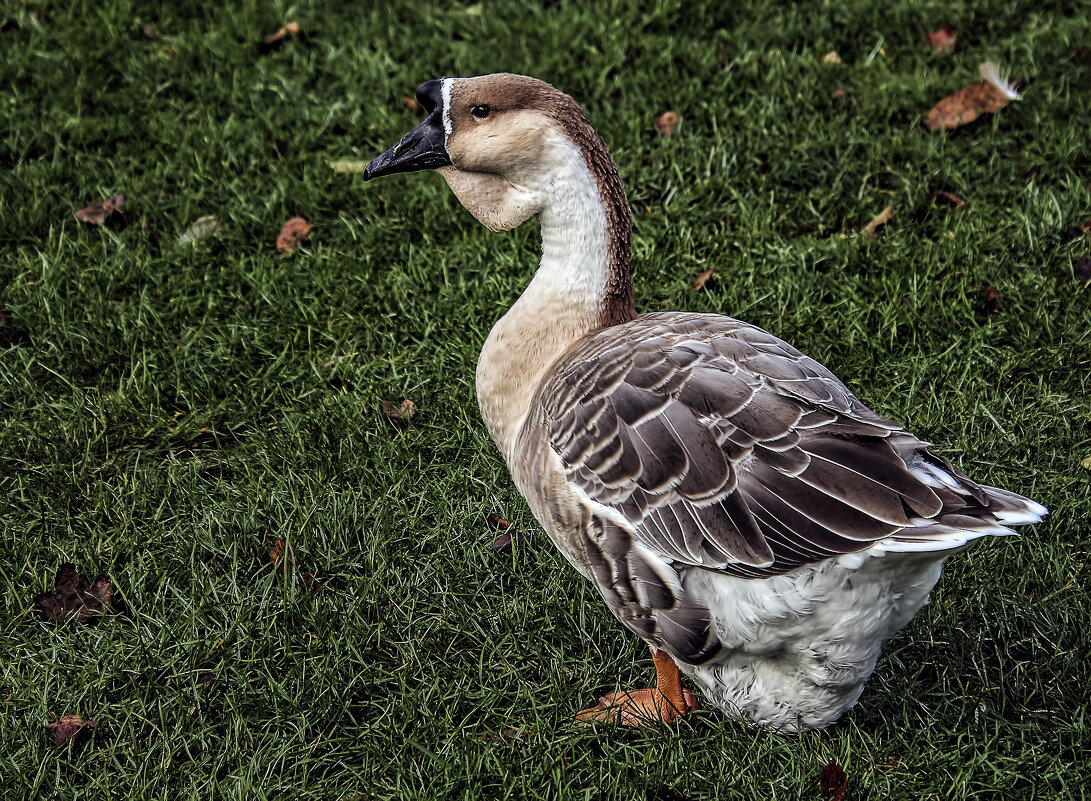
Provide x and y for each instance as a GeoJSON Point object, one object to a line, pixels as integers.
{"type": "Point", "coordinates": [481, 112]}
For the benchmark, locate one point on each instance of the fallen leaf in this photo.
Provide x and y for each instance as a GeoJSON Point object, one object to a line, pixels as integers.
{"type": "Point", "coordinates": [699, 281]}
{"type": "Point", "coordinates": [990, 299]}
{"type": "Point", "coordinates": [837, 94]}
{"type": "Point", "coordinates": [74, 598]}
{"type": "Point", "coordinates": [413, 106]}
{"type": "Point", "coordinates": [279, 37]}
{"type": "Point", "coordinates": [294, 231]}
{"type": "Point", "coordinates": [149, 30]}
{"type": "Point", "coordinates": [833, 782]}
{"type": "Point", "coordinates": [348, 165]}
{"type": "Point", "coordinates": [942, 41]}
{"type": "Point", "coordinates": [831, 58]}
{"type": "Point", "coordinates": [97, 213]}
{"type": "Point", "coordinates": [402, 412]}
{"type": "Point", "coordinates": [497, 522]}
{"type": "Point", "coordinates": [1075, 232]}
{"type": "Point", "coordinates": [1086, 462]}
{"type": "Point", "coordinates": [1082, 268]}
{"type": "Point", "coordinates": [281, 557]}
{"type": "Point", "coordinates": [201, 228]}
{"type": "Point", "coordinates": [950, 197]}
{"type": "Point", "coordinates": [667, 123]}
{"type": "Point", "coordinates": [883, 217]}
{"type": "Point", "coordinates": [965, 105]}
{"type": "Point", "coordinates": [71, 729]}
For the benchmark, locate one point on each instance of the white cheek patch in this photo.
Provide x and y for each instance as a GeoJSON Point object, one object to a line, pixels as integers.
{"type": "Point", "coordinates": [445, 94]}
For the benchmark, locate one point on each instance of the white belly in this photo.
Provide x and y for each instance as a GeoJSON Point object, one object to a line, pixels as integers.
{"type": "Point", "coordinates": [798, 648]}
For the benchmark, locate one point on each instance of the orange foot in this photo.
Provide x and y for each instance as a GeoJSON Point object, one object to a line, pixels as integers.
{"type": "Point", "coordinates": [661, 704]}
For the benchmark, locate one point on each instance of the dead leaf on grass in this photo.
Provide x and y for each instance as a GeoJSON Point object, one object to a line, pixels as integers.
{"type": "Point", "coordinates": [509, 537]}
{"type": "Point", "coordinates": [1082, 268]}
{"type": "Point", "coordinates": [965, 105]}
{"type": "Point", "coordinates": [990, 299]}
{"type": "Point", "coordinates": [1086, 462]}
{"type": "Point", "coordinates": [942, 41]}
{"type": "Point", "coordinates": [667, 123]}
{"type": "Point", "coordinates": [294, 231]}
{"type": "Point", "coordinates": [831, 58]}
{"type": "Point", "coordinates": [837, 94]}
{"type": "Point", "coordinates": [403, 411]}
{"type": "Point", "coordinates": [96, 213]}
{"type": "Point", "coordinates": [881, 219]}
{"type": "Point", "coordinates": [71, 729]}
{"type": "Point", "coordinates": [281, 557]}
{"type": "Point", "coordinates": [833, 782]}
{"type": "Point", "coordinates": [74, 597]}
{"type": "Point", "coordinates": [1075, 232]}
{"type": "Point", "coordinates": [700, 280]}
{"type": "Point", "coordinates": [276, 40]}
{"type": "Point", "coordinates": [413, 106]}
{"type": "Point", "coordinates": [949, 197]}
{"type": "Point", "coordinates": [201, 228]}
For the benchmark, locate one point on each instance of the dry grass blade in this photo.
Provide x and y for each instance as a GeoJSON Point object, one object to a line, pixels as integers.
{"type": "Point", "coordinates": [881, 219]}
{"type": "Point", "coordinates": [702, 278]}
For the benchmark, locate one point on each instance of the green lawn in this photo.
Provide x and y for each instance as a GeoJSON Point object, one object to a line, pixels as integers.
{"type": "Point", "coordinates": [168, 412]}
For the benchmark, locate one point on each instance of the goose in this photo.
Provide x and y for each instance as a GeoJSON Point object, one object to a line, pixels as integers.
{"type": "Point", "coordinates": [733, 503]}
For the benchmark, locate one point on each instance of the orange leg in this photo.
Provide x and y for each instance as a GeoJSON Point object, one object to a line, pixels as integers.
{"type": "Point", "coordinates": [665, 702]}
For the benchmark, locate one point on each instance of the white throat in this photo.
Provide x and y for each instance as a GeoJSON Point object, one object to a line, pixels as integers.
{"type": "Point", "coordinates": [563, 302]}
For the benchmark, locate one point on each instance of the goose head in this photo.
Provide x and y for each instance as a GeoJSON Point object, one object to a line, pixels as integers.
{"type": "Point", "coordinates": [499, 141]}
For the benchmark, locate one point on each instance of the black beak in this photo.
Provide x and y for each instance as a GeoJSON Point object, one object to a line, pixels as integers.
{"type": "Point", "coordinates": [424, 147]}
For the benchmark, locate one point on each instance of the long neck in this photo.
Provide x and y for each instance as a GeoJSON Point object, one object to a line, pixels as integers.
{"type": "Point", "coordinates": [583, 284]}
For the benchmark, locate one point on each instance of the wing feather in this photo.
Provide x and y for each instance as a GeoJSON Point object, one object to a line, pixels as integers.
{"type": "Point", "coordinates": [724, 448]}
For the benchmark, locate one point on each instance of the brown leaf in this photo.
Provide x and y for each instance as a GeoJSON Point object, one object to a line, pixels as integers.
{"type": "Point", "coordinates": [97, 213]}
{"type": "Point", "coordinates": [1076, 232]}
{"type": "Point", "coordinates": [497, 522]}
{"type": "Point", "coordinates": [833, 782]}
{"type": "Point", "coordinates": [699, 281]}
{"type": "Point", "coordinates": [831, 58]}
{"type": "Point", "coordinates": [71, 729]}
{"type": "Point", "coordinates": [965, 105]}
{"type": "Point", "coordinates": [883, 217]}
{"type": "Point", "coordinates": [942, 41]}
{"type": "Point", "coordinates": [149, 30]}
{"type": "Point", "coordinates": [294, 231]}
{"type": "Point", "coordinates": [990, 299]}
{"type": "Point", "coordinates": [281, 557]}
{"type": "Point", "coordinates": [837, 94]}
{"type": "Point", "coordinates": [74, 598]}
{"type": "Point", "coordinates": [401, 412]}
{"type": "Point", "coordinates": [413, 106]}
{"type": "Point", "coordinates": [282, 34]}
{"type": "Point", "coordinates": [1082, 268]}
{"type": "Point", "coordinates": [950, 197]}
{"type": "Point", "coordinates": [667, 123]}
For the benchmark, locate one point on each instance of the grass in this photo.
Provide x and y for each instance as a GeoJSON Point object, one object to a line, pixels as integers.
{"type": "Point", "coordinates": [168, 412]}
